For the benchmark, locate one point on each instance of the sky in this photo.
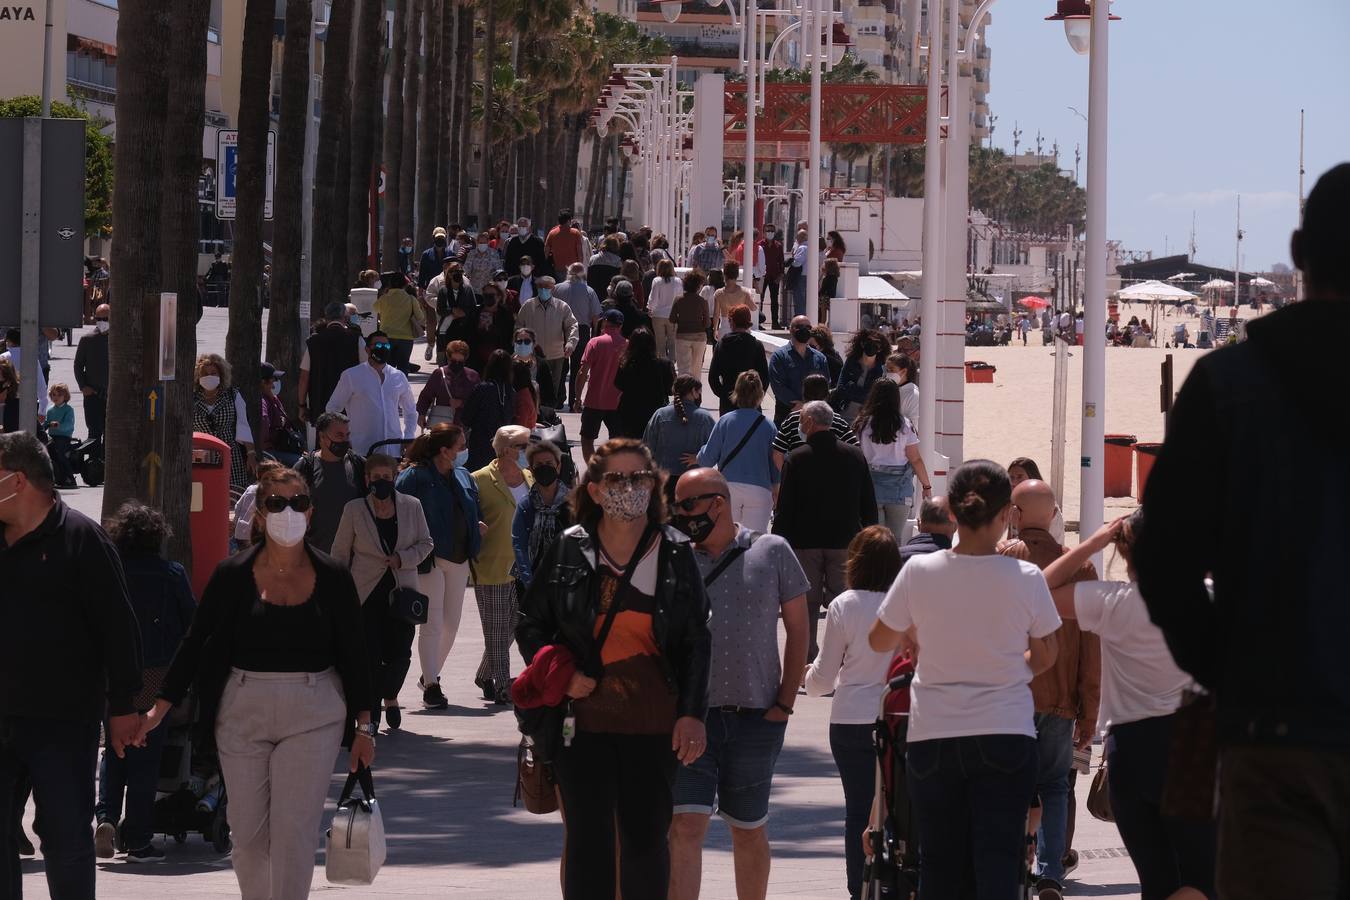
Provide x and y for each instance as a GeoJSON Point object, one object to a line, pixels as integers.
{"type": "Point", "coordinates": [1204, 106]}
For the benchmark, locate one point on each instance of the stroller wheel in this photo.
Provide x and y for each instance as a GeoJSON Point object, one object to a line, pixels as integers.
{"type": "Point", "coordinates": [220, 834]}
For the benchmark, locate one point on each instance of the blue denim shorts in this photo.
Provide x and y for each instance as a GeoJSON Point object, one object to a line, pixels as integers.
{"type": "Point", "coordinates": [735, 773]}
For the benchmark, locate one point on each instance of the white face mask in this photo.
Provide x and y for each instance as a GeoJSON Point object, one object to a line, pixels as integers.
{"type": "Point", "coordinates": [482, 248]}
{"type": "Point", "coordinates": [378, 284]}
{"type": "Point", "coordinates": [209, 382]}
{"type": "Point", "coordinates": [501, 285]}
{"type": "Point", "coordinates": [287, 527]}
{"type": "Point", "coordinates": [526, 270]}
{"type": "Point", "coordinates": [895, 376]}
{"type": "Point", "coordinates": [101, 326]}
{"type": "Point", "coordinates": [16, 491]}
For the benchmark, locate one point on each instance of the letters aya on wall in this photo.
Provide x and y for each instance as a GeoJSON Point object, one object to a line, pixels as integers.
{"type": "Point", "coordinates": [17, 14]}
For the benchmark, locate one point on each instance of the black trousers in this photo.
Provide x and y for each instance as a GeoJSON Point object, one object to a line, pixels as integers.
{"type": "Point", "coordinates": [95, 411]}
{"type": "Point", "coordinates": [389, 646]}
{"type": "Point", "coordinates": [58, 756]}
{"type": "Point", "coordinates": [622, 780]}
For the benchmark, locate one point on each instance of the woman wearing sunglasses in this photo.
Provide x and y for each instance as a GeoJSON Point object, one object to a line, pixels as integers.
{"type": "Point", "coordinates": [639, 701]}
{"type": "Point", "coordinates": [279, 661]}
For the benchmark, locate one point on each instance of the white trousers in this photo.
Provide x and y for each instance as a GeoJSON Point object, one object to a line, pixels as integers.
{"type": "Point", "coordinates": [751, 506]}
{"type": "Point", "coordinates": [444, 586]}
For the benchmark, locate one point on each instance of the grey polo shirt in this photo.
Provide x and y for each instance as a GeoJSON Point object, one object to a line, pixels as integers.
{"type": "Point", "coordinates": [746, 602]}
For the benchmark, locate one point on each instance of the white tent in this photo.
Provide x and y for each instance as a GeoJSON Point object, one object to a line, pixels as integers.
{"type": "Point", "coordinates": [873, 289]}
{"type": "Point", "coordinates": [1154, 290]}
{"type": "Point", "coordinates": [1216, 284]}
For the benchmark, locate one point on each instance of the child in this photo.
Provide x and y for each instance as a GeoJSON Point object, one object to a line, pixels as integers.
{"type": "Point", "coordinates": [60, 426]}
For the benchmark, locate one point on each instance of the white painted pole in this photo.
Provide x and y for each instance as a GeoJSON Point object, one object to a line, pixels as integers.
{"type": "Point", "coordinates": [1091, 503]}
{"type": "Point", "coordinates": [932, 237]}
{"type": "Point", "coordinates": [811, 207]}
{"type": "Point", "coordinates": [748, 23]}
{"type": "Point", "coordinates": [1298, 273]}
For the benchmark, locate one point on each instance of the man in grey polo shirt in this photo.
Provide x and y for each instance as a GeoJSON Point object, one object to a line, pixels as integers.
{"type": "Point", "coordinates": [752, 580]}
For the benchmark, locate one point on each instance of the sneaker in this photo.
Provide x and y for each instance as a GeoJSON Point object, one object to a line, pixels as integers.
{"type": "Point", "coordinates": [147, 854]}
{"type": "Point", "coordinates": [26, 846]}
{"type": "Point", "coordinates": [426, 354]}
{"type": "Point", "coordinates": [433, 697]}
{"type": "Point", "coordinates": [105, 840]}
{"type": "Point", "coordinates": [1070, 861]}
{"type": "Point", "coordinates": [1048, 889]}
{"type": "Point", "coordinates": [394, 716]}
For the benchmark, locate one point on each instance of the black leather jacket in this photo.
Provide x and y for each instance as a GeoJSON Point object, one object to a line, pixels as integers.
{"type": "Point", "coordinates": [560, 608]}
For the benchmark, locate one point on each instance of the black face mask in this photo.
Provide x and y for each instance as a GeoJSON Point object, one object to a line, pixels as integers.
{"type": "Point", "coordinates": [378, 355]}
{"type": "Point", "coordinates": [382, 488]}
{"type": "Point", "coordinates": [339, 448]}
{"type": "Point", "coordinates": [801, 335]}
{"type": "Point", "coordinates": [440, 242]}
{"type": "Point", "coordinates": [870, 349]}
{"type": "Point", "coordinates": [698, 527]}
{"type": "Point", "coordinates": [544, 475]}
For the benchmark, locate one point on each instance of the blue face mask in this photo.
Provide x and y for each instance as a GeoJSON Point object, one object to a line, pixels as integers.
{"type": "Point", "coordinates": [524, 349]}
{"type": "Point", "coordinates": [462, 458]}
{"type": "Point", "coordinates": [545, 293]}
{"type": "Point", "coordinates": [521, 461]}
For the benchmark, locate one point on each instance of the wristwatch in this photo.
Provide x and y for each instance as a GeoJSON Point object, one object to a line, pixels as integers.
{"type": "Point", "coordinates": [370, 729]}
{"type": "Point", "coordinates": [779, 704]}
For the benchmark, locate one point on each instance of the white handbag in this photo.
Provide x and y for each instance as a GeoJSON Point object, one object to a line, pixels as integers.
{"type": "Point", "coordinates": [356, 846]}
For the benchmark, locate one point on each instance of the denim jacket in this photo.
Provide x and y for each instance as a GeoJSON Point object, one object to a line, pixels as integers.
{"type": "Point", "coordinates": [443, 498]}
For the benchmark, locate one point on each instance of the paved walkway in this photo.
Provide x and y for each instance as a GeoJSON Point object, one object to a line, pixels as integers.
{"type": "Point", "coordinates": [446, 784]}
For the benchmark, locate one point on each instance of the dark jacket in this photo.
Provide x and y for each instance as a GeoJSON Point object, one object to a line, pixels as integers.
{"type": "Point", "coordinates": [91, 362]}
{"type": "Point", "coordinates": [443, 500]}
{"type": "Point", "coordinates": [560, 607]}
{"type": "Point", "coordinates": [922, 543]}
{"type": "Point", "coordinates": [69, 644]}
{"type": "Point", "coordinates": [531, 246]}
{"type": "Point", "coordinates": [207, 652]}
{"type": "Point", "coordinates": [448, 297]}
{"type": "Point", "coordinates": [737, 352]}
{"type": "Point", "coordinates": [825, 496]}
{"type": "Point", "coordinates": [161, 597]}
{"type": "Point", "coordinates": [646, 387]}
{"type": "Point", "coordinates": [433, 263]}
{"type": "Point", "coordinates": [1252, 487]}
{"type": "Point", "coordinates": [847, 389]}
{"type": "Point", "coordinates": [488, 408]}
{"type": "Point", "coordinates": [332, 351]}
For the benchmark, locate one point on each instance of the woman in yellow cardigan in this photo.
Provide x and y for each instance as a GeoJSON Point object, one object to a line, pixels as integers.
{"type": "Point", "coordinates": [502, 484]}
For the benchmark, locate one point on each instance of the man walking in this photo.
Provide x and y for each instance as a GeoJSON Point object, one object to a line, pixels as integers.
{"type": "Point", "coordinates": [525, 243]}
{"type": "Point", "coordinates": [772, 248]}
{"type": "Point", "coordinates": [595, 382]}
{"type": "Point", "coordinates": [707, 255]}
{"type": "Point", "coordinates": [585, 304]}
{"type": "Point", "coordinates": [335, 474]}
{"type": "Point", "coordinates": [752, 581]}
{"type": "Point", "coordinates": [375, 396]}
{"type": "Point", "coordinates": [788, 367]}
{"type": "Point", "coordinates": [555, 331]}
{"type": "Point", "coordinates": [72, 658]}
{"type": "Point", "coordinates": [825, 498]}
{"type": "Point", "coordinates": [91, 372]}
{"type": "Point", "coordinates": [934, 531]}
{"type": "Point", "coordinates": [1066, 695]}
{"type": "Point", "coordinates": [331, 350]}
{"type": "Point", "coordinates": [563, 246]}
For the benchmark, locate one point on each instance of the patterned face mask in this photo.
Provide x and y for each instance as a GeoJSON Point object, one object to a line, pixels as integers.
{"type": "Point", "coordinates": [625, 503]}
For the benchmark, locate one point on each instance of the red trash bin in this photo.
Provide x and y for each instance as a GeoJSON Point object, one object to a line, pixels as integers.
{"type": "Point", "coordinates": [1144, 456]}
{"type": "Point", "coordinates": [209, 511]}
{"type": "Point", "coordinates": [978, 372]}
{"type": "Point", "coordinates": [1118, 477]}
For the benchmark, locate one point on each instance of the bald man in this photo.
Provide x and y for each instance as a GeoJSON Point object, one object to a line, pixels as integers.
{"type": "Point", "coordinates": [91, 371]}
{"type": "Point", "coordinates": [753, 581]}
{"type": "Point", "coordinates": [1066, 695]}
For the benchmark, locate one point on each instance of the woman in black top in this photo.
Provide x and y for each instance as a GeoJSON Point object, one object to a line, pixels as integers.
{"type": "Point", "coordinates": [489, 407]}
{"type": "Point", "coordinates": [737, 352]}
{"type": "Point", "coordinates": [823, 340]}
{"type": "Point", "coordinates": [645, 380]}
{"type": "Point", "coordinates": [278, 657]}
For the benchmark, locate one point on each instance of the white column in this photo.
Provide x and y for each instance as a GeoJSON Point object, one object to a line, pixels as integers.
{"type": "Point", "coordinates": [1094, 294]}
{"type": "Point", "coordinates": [706, 181]}
{"type": "Point", "coordinates": [811, 204]}
{"type": "Point", "coordinates": [932, 237]}
{"type": "Point", "coordinates": [748, 216]}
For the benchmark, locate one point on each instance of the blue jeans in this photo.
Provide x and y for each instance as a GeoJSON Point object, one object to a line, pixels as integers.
{"type": "Point", "coordinates": [799, 293]}
{"type": "Point", "coordinates": [58, 757]}
{"type": "Point", "coordinates": [136, 775]}
{"type": "Point", "coordinates": [971, 796]}
{"type": "Point", "coordinates": [1054, 751]}
{"type": "Point", "coordinates": [856, 760]}
{"type": "Point", "coordinates": [735, 773]}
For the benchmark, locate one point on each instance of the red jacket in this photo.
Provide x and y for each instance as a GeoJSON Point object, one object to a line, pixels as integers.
{"type": "Point", "coordinates": [544, 681]}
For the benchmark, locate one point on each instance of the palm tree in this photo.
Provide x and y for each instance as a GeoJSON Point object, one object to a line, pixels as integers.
{"type": "Point", "coordinates": [446, 190]}
{"type": "Point", "coordinates": [429, 123]}
{"type": "Point", "coordinates": [243, 342]}
{"type": "Point", "coordinates": [366, 117]}
{"type": "Point", "coordinates": [393, 136]}
{"type": "Point", "coordinates": [489, 70]}
{"type": "Point", "coordinates": [143, 31]}
{"type": "Point", "coordinates": [179, 226]}
{"type": "Point", "coordinates": [324, 281]}
{"type": "Point", "coordinates": [407, 188]}
{"type": "Point", "coordinates": [463, 87]}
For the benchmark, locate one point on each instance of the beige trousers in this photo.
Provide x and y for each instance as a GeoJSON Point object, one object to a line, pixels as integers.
{"type": "Point", "coordinates": [278, 735]}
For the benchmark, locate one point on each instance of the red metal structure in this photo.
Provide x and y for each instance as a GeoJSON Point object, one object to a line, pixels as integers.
{"type": "Point", "coordinates": [850, 114]}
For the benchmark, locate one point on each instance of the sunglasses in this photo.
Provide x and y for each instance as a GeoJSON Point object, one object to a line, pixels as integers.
{"type": "Point", "coordinates": [688, 503]}
{"type": "Point", "coordinates": [276, 503]}
{"type": "Point", "coordinates": [382, 346]}
{"type": "Point", "coordinates": [629, 479]}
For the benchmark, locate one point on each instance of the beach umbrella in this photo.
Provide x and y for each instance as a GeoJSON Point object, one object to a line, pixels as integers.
{"type": "Point", "coordinates": [1154, 290]}
{"type": "Point", "coordinates": [1216, 284]}
{"type": "Point", "coordinates": [1258, 281]}
{"type": "Point", "coordinates": [1182, 276]}
{"type": "Point", "coordinates": [1034, 302]}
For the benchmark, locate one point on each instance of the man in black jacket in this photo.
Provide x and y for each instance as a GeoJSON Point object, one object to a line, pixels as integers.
{"type": "Point", "coordinates": [524, 243]}
{"type": "Point", "coordinates": [935, 529]}
{"type": "Point", "coordinates": [824, 499]}
{"type": "Point", "coordinates": [91, 372]}
{"type": "Point", "coordinates": [1261, 421]}
{"type": "Point", "coordinates": [70, 655]}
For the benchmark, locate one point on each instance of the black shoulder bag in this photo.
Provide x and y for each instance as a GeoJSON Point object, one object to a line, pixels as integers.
{"type": "Point", "coordinates": [408, 604]}
{"type": "Point", "coordinates": [734, 554]}
{"type": "Point", "coordinates": [754, 426]}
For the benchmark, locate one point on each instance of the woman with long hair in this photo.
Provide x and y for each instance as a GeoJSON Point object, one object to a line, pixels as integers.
{"type": "Point", "coordinates": [639, 701]}
{"type": "Point", "coordinates": [676, 432]}
{"type": "Point", "coordinates": [666, 289]}
{"type": "Point", "coordinates": [449, 496]}
{"type": "Point", "coordinates": [741, 448]}
{"type": "Point", "coordinates": [218, 410]}
{"type": "Point", "coordinates": [278, 660]}
{"type": "Point", "coordinates": [823, 340]}
{"type": "Point", "coordinates": [829, 287]}
{"type": "Point", "coordinates": [856, 675]}
{"type": "Point", "coordinates": [489, 407]}
{"type": "Point", "coordinates": [904, 371]}
{"type": "Point", "coordinates": [867, 351]}
{"type": "Point", "coordinates": [645, 380]}
{"type": "Point", "coordinates": [986, 624]}
{"type": "Point", "coordinates": [737, 351]}
{"type": "Point", "coordinates": [1142, 689]}
{"type": "Point", "coordinates": [891, 448]}
{"type": "Point", "coordinates": [382, 538]}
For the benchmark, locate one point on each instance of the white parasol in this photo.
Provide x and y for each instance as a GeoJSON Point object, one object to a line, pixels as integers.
{"type": "Point", "coordinates": [1154, 290]}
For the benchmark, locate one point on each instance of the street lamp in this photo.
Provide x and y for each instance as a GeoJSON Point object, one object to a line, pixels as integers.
{"type": "Point", "coordinates": [1077, 18]}
{"type": "Point", "coordinates": [670, 9]}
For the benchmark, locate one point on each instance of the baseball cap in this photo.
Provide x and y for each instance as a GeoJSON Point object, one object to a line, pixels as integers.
{"type": "Point", "coordinates": [438, 231]}
{"type": "Point", "coordinates": [269, 371]}
{"type": "Point", "coordinates": [614, 316]}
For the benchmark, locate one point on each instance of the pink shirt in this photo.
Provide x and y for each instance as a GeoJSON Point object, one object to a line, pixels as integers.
{"type": "Point", "coordinates": [601, 359]}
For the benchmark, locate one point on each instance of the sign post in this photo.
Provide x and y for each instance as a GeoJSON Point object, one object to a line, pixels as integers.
{"type": "Point", "coordinates": [227, 170]}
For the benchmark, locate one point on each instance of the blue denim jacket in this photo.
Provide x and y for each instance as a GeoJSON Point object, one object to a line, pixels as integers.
{"type": "Point", "coordinates": [444, 498]}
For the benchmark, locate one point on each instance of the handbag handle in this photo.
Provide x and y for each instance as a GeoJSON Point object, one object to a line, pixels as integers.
{"type": "Point", "coordinates": [361, 775]}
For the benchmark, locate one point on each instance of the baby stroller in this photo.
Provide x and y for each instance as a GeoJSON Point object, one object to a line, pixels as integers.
{"type": "Point", "coordinates": [86, 460]}
{"type": "Point", "coordinates": [191, 794]}
{"type": "Point", "coordinates": [892, 870]}
{"type": "Point", "coordinates": [550, 428]}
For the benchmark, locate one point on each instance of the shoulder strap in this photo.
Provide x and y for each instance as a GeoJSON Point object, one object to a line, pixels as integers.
{"type": "Point", "coordinates": [754, 426]}
{"type": "Point", "coordinates": [593, 661]}
{"type": "Point", "coordinates": [735, 554]}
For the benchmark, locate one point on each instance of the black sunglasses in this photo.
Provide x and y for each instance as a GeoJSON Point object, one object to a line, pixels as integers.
{"type": "Point", "coordinates": [688, 503]}
{"type": "Point", "coordinates": [275, 503]}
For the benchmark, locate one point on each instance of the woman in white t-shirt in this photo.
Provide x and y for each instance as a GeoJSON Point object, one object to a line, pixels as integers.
{"type": "Point", "coordinates": [1142, 688]}
{"type": "Point", "coordinates": [856, 674]}
{"type": "Point", "coordinates": [891, 447]}
{"type": "Point", "coordinates": [981, 626]}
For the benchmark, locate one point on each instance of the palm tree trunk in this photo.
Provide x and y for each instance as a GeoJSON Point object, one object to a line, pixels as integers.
{"type": "Point", "coordinates": [464, 87]}
{"type": "Point", "coordinates": [393, 138]}
{"type": "Point", "coordinates": [283, 320]}
{"type": "Point", "coordinates": [324, 257]}
{"type": "Point", "coordinates": [143, 30]}
{"type": "Point", "coordinates": [429, 139]}
{"type": "Point", "coordinates": [366, 84]}
{"type": "Point", "coordinates": [593, 179]}
{"type": "Point", "coordinates": [341, 198]}
{"type": "Point", "coordinates": [243, 343]}
{"type": "Point", "coordinates": [446, 190]}
{"type": "Point", "coordinates": [179, 227]}
{"type": "Point", "coordinates": [485, 171]}
{"type": "Point", "coordinates": [576, 124]}
{"type": "Point", "coordinates": [407, 172]}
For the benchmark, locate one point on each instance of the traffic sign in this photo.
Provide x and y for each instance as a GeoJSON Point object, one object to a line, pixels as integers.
{"type": "Point", "coordinates": [227, 168]}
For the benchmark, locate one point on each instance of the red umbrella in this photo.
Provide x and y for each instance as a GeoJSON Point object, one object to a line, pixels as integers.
{"type": "Point", "coordinates": [1034, 302]}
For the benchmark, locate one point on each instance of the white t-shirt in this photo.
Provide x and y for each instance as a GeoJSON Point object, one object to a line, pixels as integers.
{"type": "Point", "coordinates": [846, 664]}
{"type": "Point", "coordinates": [972, 615]}
{"type": "Point", "coordinates": [892, 454]}
{"type": "Point", "coordinates": [1140, 680]}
